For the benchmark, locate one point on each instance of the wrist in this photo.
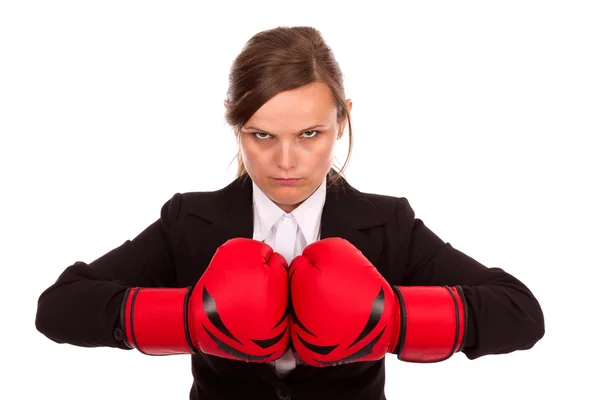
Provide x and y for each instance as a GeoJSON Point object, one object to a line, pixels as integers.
{"type": "Point", "coordinates": [433, 322]}
{"type": "Point", "coordinates": [155, 320]}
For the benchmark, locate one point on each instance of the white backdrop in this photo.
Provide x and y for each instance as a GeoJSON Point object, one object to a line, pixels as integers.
{"type": "Point", "coordinates": [484, 115]}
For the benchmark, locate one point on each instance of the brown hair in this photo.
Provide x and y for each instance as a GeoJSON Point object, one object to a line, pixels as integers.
{"type": "Point", "coordinates": [276, 60]}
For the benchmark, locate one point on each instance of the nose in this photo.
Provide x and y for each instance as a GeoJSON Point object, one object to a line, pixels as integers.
{"type": "Point", "coordinates": [286, 155]}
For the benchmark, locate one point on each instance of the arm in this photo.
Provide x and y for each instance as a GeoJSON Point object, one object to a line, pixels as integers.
{"type": "Point", "coordinates": [503, 314]}
{"type": "Point", "coordinates": [83, 306]}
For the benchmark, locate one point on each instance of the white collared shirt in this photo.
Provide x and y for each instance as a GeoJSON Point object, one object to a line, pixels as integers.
{"type": "Point", "coordinates": [288, 234]}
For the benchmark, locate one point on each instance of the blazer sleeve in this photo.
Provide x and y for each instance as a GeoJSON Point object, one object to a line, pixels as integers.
{"type": "Point", "coordinates": [82, 307]}
{"type": "Point", "coordinates": [503, 314]}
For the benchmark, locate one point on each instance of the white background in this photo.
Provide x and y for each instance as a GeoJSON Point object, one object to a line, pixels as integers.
{"type": "Point", "coordinates": [484, 115]}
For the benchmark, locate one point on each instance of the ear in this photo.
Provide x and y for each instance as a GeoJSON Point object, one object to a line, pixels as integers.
{"type": "Point", "coordinates": [345, 121]}
{"type": "Point", "coordinates": [225, 103]}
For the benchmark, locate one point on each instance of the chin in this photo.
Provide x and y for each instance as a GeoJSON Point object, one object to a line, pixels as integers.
{"type": "Point", "coordinates": [290, 200]}
{"type": "Point", "coordinates": [287, 197]}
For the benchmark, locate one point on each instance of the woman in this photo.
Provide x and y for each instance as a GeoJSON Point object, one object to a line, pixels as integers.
{"type": "Point", "coordinates": [288, 282]}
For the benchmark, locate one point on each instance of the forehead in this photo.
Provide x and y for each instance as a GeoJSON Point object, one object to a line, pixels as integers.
{"type": "Point", "coordinates": [296, 109]}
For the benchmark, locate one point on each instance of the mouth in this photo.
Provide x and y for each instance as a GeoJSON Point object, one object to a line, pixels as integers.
{"type": "Point", "coordinates": [286, 181]}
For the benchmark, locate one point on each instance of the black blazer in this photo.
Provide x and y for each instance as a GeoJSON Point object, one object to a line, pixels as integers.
{"type": "Point", "coordinates": [82, 307]}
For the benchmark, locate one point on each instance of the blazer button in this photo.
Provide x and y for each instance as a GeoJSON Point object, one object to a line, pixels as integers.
{"type": "Point", "coordinates": [118, 334]}
{"type": "Point", "coordinates": [283, 395]}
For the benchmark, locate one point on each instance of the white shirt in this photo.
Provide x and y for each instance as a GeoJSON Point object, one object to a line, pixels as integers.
{"type": "Point", "coordinates": [288, 234]}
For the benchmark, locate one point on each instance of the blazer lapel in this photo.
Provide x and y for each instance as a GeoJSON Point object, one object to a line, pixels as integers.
{"type": "Point", "coordinates": [350, 215]}
{"type": "Point", "coordinates": [226, 213]}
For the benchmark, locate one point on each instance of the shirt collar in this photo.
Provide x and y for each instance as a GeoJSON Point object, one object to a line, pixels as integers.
{"type": "Point", "coordinates": [307, 215]}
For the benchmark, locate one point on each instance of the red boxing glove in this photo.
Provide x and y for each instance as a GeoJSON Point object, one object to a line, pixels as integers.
{"type": "Point", "coordinates": [344, 311]}
{"type": "Point", "coordinates": [237, 309]}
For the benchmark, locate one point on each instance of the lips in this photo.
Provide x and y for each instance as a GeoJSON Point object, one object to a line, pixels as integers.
{"type": "Point", "coordinates": [287, 181]}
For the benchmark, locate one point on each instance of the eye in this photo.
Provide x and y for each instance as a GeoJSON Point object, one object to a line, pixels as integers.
{"type": "Point", "coordinates": [261, 135]}
{"type": "Point", "coordinates": [312, 134]}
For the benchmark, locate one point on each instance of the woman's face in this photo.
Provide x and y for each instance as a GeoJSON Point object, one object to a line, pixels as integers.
{"type": "Point", "coordinates": [288, 145]}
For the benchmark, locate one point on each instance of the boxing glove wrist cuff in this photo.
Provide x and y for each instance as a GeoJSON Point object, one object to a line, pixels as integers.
{"type": "Point", "coordinates": [155, 320]}
{"type": "Point", "coordinates": [433, 322]}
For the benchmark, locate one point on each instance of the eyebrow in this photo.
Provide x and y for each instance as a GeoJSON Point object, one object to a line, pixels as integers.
{"type": "Point", "coordinates": [264, 131]}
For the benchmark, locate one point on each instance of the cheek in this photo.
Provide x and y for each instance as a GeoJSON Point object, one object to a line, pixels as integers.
{"type": "Point", "coordinates": [324, 152]}
{"type": "Point", "coordinates": [249, 152]}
